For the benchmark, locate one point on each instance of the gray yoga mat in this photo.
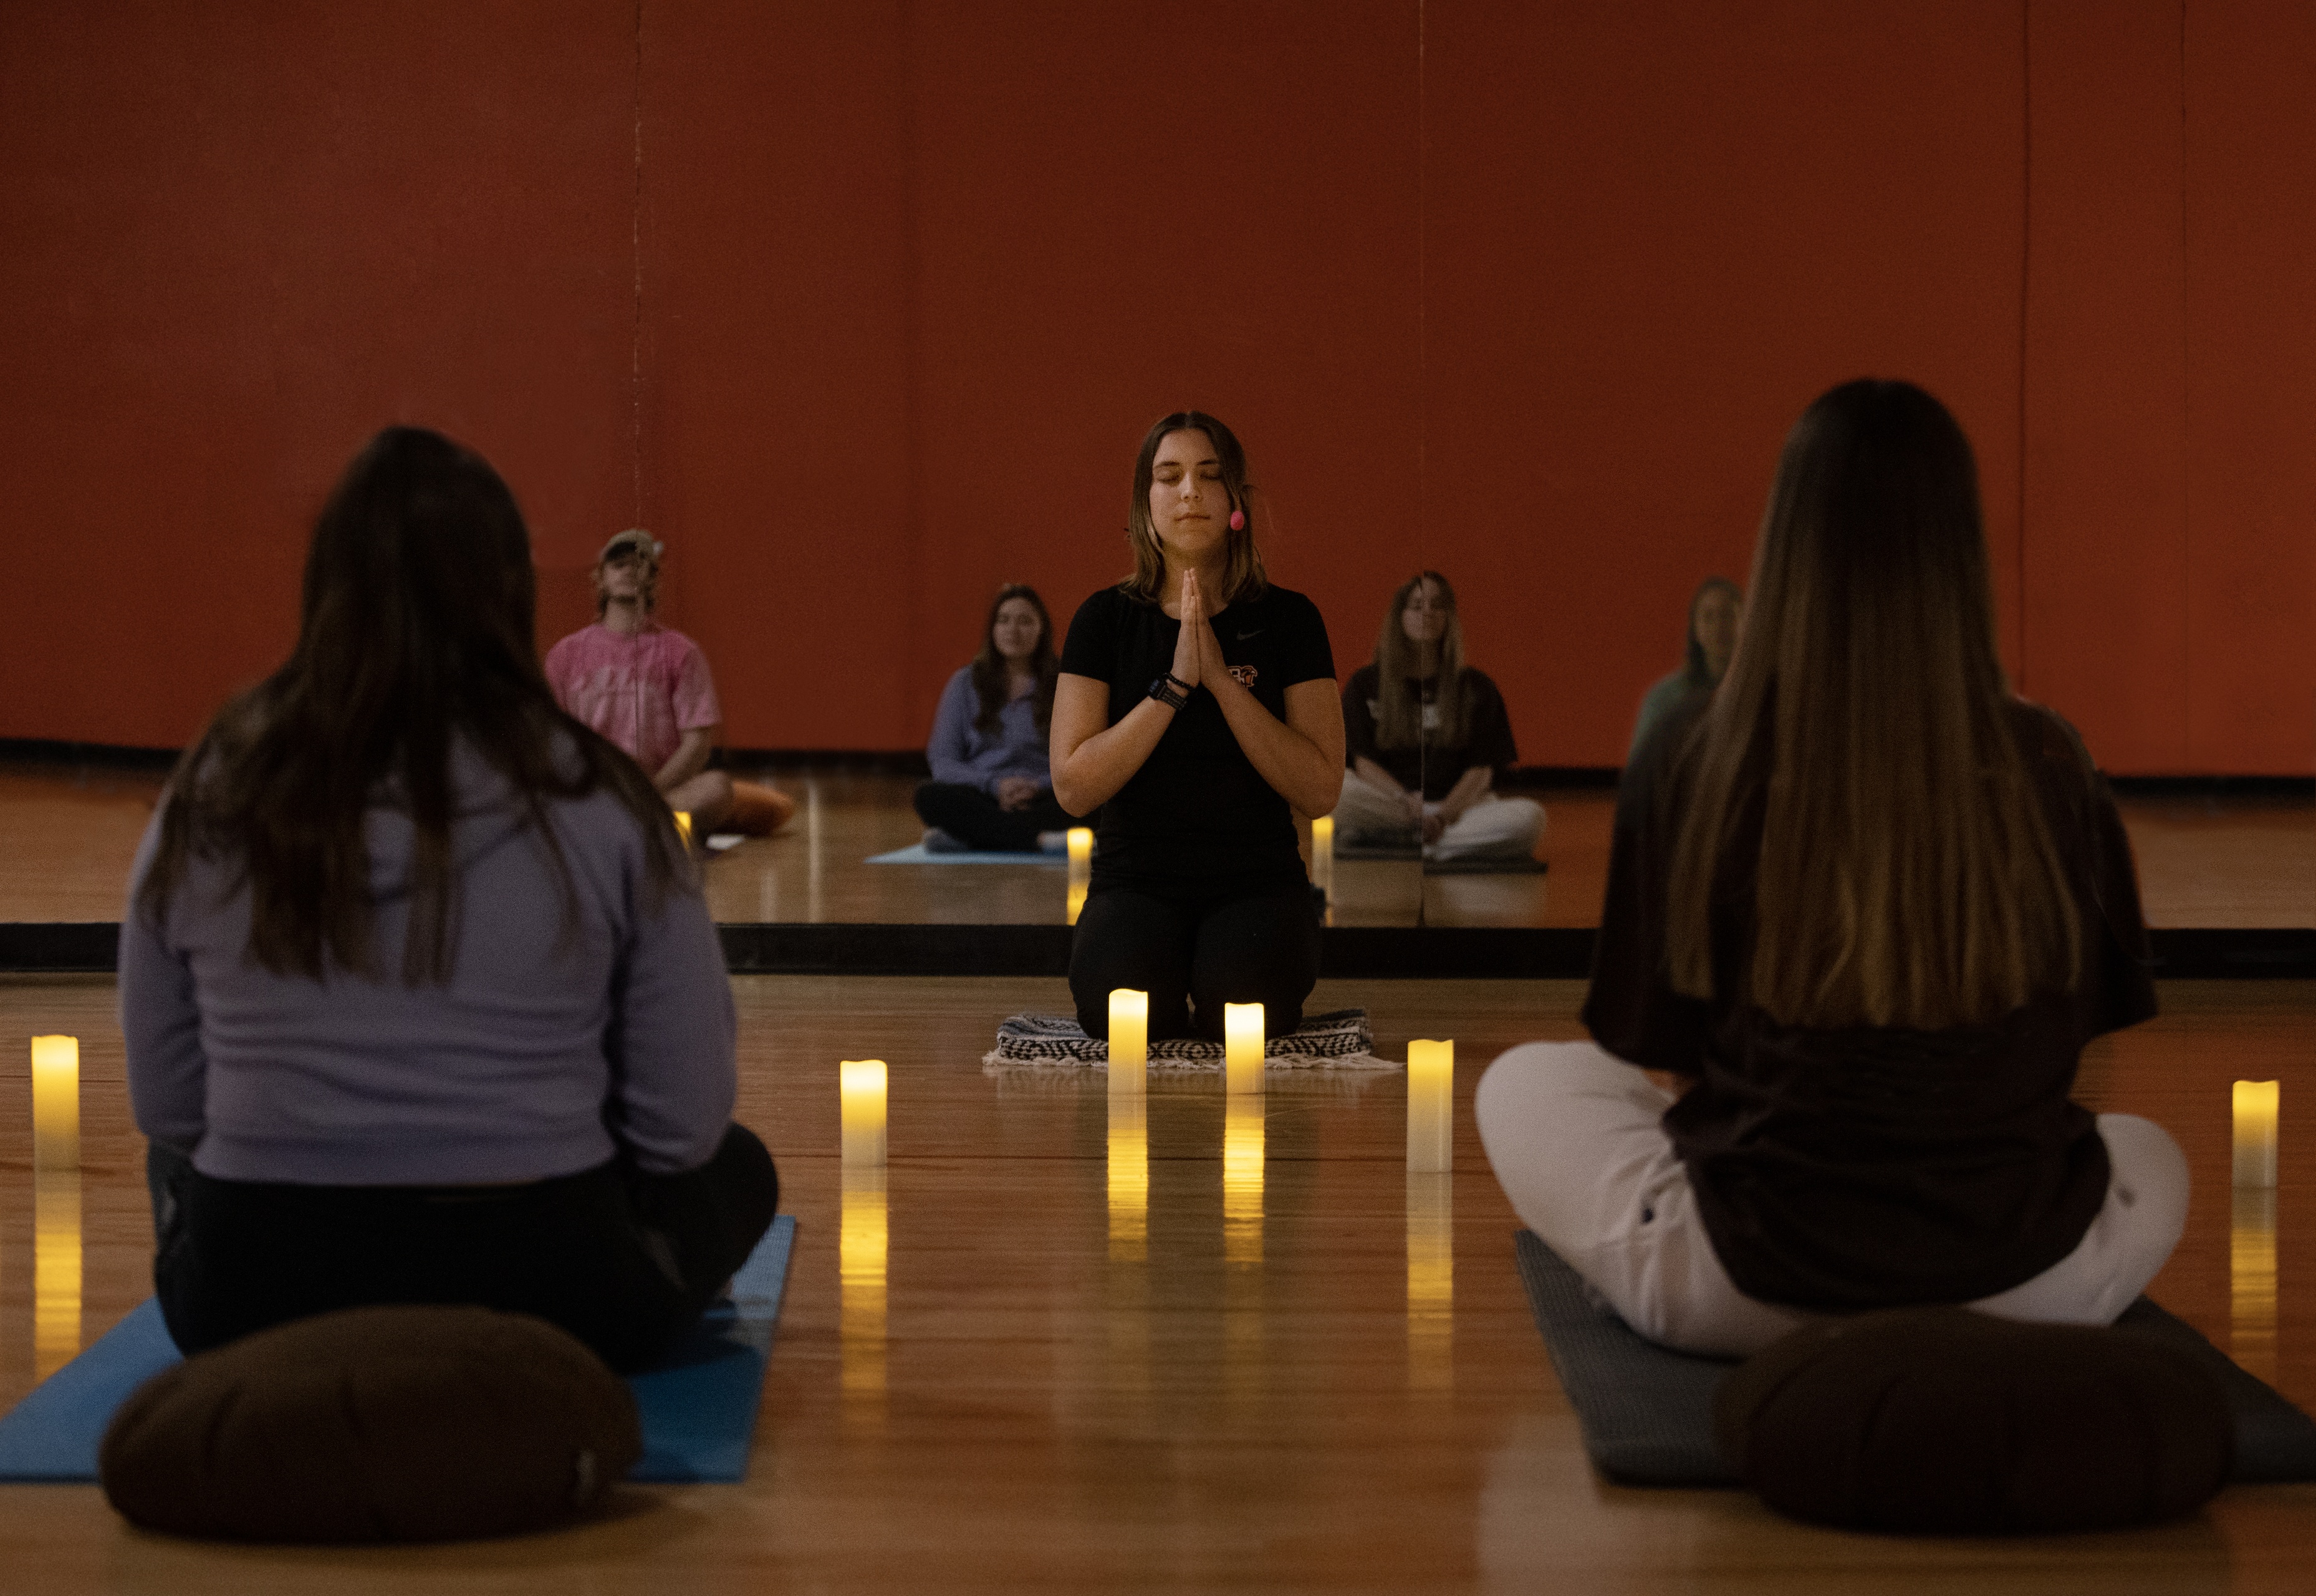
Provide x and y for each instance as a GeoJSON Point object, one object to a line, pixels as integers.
{"type": "Point", "coordinates": [1646, 1412]}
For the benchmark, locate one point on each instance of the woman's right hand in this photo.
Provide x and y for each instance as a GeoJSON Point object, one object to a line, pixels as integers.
{"type": "Point", "coordinates": [1185, 669]}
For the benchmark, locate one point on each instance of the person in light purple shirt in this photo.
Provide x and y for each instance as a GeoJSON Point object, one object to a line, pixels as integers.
{"type": "Point", "coordinates": [993, 786]}
{"type": "Point", "coordinates": [422, 1001]}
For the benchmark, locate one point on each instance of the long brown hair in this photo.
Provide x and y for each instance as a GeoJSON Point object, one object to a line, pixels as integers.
{"type": "Point", "coordinates": [1399, 717]}
{"type": "Point", "coordinates": [1907, 876]}
{"type": "Point", "coordinates": [417, 632]}
{"type": "Point", "coordinates": [1242, 573]}
{"type": "Point", "coordinates": [993, 675]}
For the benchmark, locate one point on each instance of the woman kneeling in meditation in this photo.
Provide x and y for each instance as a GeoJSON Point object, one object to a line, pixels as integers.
{"type": "Point", "coordinates": [1197, 709]}
{"type": "Point", "coordinates": [422, 1001]}
{"type": "Point", "coordinates": [1866, 906]}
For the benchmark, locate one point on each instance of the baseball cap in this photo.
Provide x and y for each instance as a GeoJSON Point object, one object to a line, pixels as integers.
{"type": "Point", "coordinates": [635, 539]}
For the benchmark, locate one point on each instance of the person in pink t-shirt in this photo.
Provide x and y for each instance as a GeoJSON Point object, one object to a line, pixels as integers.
{"type": "Point", "coordinates": [644, 687]}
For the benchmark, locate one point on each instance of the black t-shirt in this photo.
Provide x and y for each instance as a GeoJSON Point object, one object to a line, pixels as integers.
{"type": "Point", "coordinates": [1435, 767]}
{"type": "Point", "coordinates": [1863, 1168]}
{"type": "Point", "coordinates": [1198, 811]}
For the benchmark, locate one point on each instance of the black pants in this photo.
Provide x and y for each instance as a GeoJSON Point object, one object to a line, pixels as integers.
{"type": "Point", "coordinates": [1196, 952]}
{"type": "Point", "coordinates": [623, 1260]}
{"type": "Point", "coordinates": [972, 818]}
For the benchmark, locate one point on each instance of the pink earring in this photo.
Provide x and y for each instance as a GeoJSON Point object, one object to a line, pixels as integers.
{"type": "Point", "coordinates": [1238, 521]}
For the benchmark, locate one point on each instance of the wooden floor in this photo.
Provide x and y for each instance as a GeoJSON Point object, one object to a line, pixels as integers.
{"type": "Point", "coordinates": [66, 836]}
{"type": "Point", "coordinates": [1002, 1372]}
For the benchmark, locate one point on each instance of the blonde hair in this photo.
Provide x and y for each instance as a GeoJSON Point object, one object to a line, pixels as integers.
{"type": "Point", "coordinates": [1399, 713]}
{"type": "Point", "coordinates": [1906, 874]}
{"type": "Point", "coordinates": [1242, 573]}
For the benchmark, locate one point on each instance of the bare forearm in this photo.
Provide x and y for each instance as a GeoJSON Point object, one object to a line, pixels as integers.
{"type": "Point", "coordinates": [1376, 777]}
{"type": "Point", "coordinates": [1467, 789]}
{"type": "Point", "coordinates": [689, 758]}
{"type": "Point", "coordinates": [1296, 768]}
{"type": "Point", "coordinates": [1089, 774]}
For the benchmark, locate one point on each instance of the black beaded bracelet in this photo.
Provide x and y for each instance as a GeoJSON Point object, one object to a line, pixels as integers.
{"type": "Point", "coordinates": [1170, 691]}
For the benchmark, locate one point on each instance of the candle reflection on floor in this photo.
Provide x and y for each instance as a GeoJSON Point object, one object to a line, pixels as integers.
{"type": "Point", "coordinates": [862, 1239]}
{"type": "Point", "coordinates": [2251, 1280]}
{"type": "Point", "coordinates": [56, 1270]}
{"type": "Point", "coordinates": [1243, 1181]}
{"type": "Point", "coordinates": [1243, 1160]}
{"type": "Point", "coordinates": [1127, 1291]}
{"type": "Point", "coordinates": [56, 1202]}
{"type": "Point", "coordinates": [1431, 1280]}
{"type": "Point", "coordinates": [1129, 1178]}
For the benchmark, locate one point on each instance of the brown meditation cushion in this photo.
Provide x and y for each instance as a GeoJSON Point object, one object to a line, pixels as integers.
{"type": "Point", "coordinates": [374, 1424]}
{"type": "Point", "coordinates": [1942, 1421]}
{"type": "Point", "coordinates": [759, 811]}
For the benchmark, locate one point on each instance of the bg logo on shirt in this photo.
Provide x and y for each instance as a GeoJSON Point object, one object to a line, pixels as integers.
{"type": "Point", "coordinates": [1243, 676]}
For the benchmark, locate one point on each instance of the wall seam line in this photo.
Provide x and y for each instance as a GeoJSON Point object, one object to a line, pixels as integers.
{"type": "Point", "coordinates": [1422, 290]}
{"type": "Point", "coordinates": [2026, 298]}
{"type": "Point", "coordinates": [636, 328]}
{"type": "Point", "coordinates": [2187, 751]}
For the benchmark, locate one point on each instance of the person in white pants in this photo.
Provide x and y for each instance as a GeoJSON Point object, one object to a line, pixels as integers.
{"type": "Point", "coordinates": [1425, 737]}
{"type": "Point", "coordinates": [1863, 909]}
{"type": "Point", "coordinates": [1577, 1138]}
{"type": "Point", "coordinates": [1489, 824]}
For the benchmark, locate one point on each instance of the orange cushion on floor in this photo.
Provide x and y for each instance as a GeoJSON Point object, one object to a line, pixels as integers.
{"type": "Point", "coordinates": [757, 810]}
{"type": "Point", "coordinates": [374, 1424]}
{"type": "Point", "coordinates": [1942, 1421]}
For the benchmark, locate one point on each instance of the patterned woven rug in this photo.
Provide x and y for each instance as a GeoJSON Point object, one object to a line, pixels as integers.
{"type": "Point", "coordinates": [1338, 1040]}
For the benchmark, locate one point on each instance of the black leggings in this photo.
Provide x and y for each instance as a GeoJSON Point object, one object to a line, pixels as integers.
{"type": "Point", "coordinates": [623, 1260]}
{"type": "Point", "coordinates": [1258, 947]}
{"type": "Point", "coordinates": [972, 818]}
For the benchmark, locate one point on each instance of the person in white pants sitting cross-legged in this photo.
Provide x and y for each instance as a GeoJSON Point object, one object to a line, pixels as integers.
{"type": "Point", "coordinates": [1864, 907]}
{"type": "Point", "coordinates": [1426, 737]}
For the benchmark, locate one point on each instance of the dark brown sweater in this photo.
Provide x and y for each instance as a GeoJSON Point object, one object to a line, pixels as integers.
{"type": "Point", "coordinates": [1845, 1170]}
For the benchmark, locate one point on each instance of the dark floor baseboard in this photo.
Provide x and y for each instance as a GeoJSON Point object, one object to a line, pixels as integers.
{"type": "Point", "coordinates": [1364, 953]}
{"type": "Point", "coordinates": [2223, 790]}
{"type": "Point", "coordinates": [911, 762]}
{"type": "Point", "coordinates": [86, 757]}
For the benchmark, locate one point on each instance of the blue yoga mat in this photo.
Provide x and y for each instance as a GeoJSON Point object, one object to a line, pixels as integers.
{"type": "Point", "coordinates": [698, 1406]}
{"type": "Point", "coordinates": [918, 853]}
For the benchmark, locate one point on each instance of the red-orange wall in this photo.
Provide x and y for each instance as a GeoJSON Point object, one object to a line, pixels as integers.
{"type": "Point", "coordinates": [864, 308]}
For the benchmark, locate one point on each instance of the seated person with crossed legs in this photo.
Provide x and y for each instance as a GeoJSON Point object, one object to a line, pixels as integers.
{"type": "Point", "coordinates": [421, 999]}
{"type": "Point", "coordinates": [646, 687]}
{"type": "Point", "coordinates": [1428, 735]}
{"type": "Point", "coordinates": [992, 787]}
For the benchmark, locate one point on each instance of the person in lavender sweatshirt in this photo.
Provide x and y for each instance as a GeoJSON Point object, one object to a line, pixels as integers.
{"type": "Point", "coordinates": [422, 1000]}
{"type": "Point", "coordinates": [993, 787]}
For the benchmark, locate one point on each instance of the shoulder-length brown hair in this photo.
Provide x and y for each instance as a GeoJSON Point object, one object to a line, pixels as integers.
{"type": "Point", "coordinates": [1907, 876]}
{"type": "Point", "coordinates": [416, 633]}
{"type": "Point", "coordinates": [1242, 573]}
{"type": "Point", "coordinates": [1399, 719]}
{"type": "Point", "coordinates": [993, 677]}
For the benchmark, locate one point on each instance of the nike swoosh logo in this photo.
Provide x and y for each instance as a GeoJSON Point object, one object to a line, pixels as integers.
{"type": "Point", "coordinates": [1256, 632]}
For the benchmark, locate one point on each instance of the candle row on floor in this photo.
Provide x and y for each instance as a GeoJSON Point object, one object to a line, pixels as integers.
{"type": "Point", "coordinates": [1430, 1082]}
{"type": "Point", "coordinates": [862, 1083]}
